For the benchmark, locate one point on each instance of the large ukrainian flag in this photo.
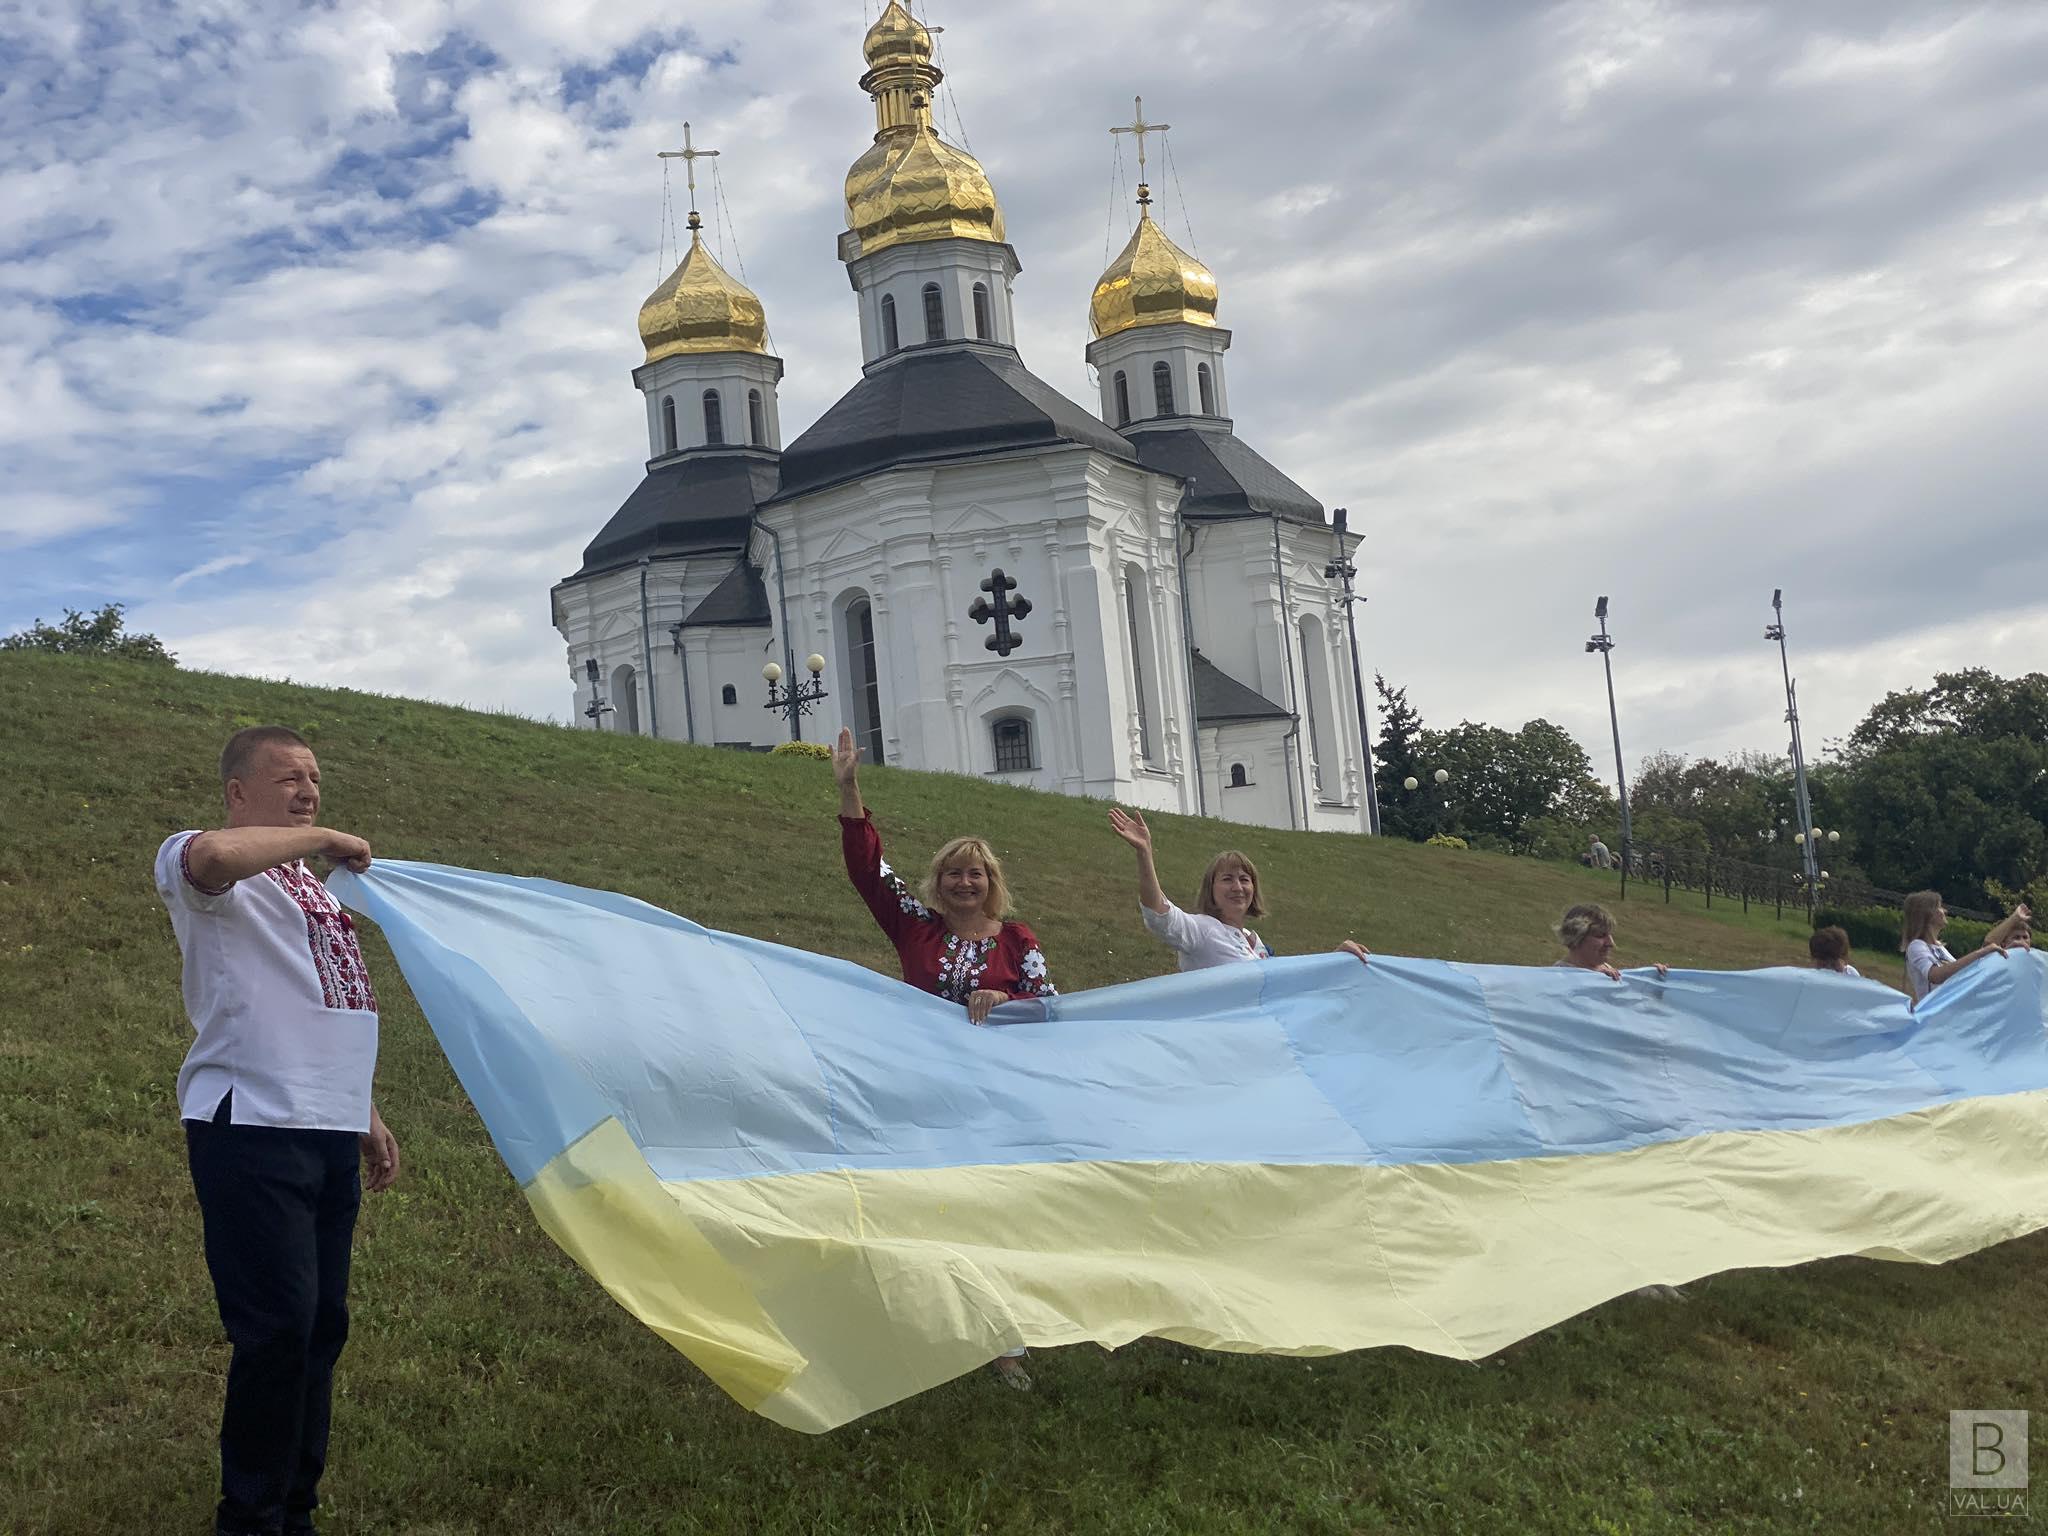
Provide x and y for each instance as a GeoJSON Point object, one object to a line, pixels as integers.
{"type": "Point", "coordinates": [831, 1192]}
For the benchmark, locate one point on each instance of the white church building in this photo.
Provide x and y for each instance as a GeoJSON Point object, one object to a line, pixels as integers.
{"type": "Point", "coordinates": [1185, 650]}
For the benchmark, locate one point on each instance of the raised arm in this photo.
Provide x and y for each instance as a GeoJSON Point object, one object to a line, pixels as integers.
{"type": "Point", "coordinates": [846, 769]}
{"type": "Point", "coordinates": [1941, 970]}
{"type": "Point", "coordinates": [2015, 929]}
{"type": "Point", "coordinates": [219, 858]}
{"type": "Point", "coordinates": [1132, 829]}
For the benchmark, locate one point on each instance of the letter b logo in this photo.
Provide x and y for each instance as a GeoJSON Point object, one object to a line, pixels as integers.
{"type": "Point", "coordinates": [1987, 1448]}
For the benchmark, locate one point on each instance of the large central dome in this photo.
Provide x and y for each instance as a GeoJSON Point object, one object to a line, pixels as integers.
{"type": "Point", "coordinates": [911, 185]}
{"type": "Point", "coordinates": [701, 308]}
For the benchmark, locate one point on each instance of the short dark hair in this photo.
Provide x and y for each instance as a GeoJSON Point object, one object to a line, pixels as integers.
{"type": "Point", "coordinates": [1828, 945]}
{"type": "Point", "coordinates": [243, 746]}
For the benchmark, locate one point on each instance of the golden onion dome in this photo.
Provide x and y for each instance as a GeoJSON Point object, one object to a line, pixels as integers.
{"type": "Point", "coordinates": [897, 36]}
{"type": "Point", "coordinates": [1153, 282]}
{"type": "Point", "coordinates": [912, 185]}
{"type": "Point", "coordinates": [700, 308]}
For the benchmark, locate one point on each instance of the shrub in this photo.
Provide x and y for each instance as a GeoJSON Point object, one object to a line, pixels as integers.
{"type": "Point", "coordinates": [801, 749]}
{"type": "Point", "coordinates": [1445, 840]}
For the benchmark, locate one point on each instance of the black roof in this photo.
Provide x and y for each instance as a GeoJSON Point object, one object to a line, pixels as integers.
{"type": "Point", "coordinates": [699, 503]}
{"type": "Point", "coordinates": [1230, 479]}
{"type": "Point", "coordinates": [949, 402]}
{"type": "Point", "coordinates": [1221, 699]}
{"type": "Point", "coordinates": [740, 599]}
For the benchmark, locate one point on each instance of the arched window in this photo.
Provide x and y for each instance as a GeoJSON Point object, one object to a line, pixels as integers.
{"type": "Point", "coordinates": [1123, 399]}
{"type": "Point", "coordinates": [984, 321]}
{"type": "Point", "coordinates": [1208, 389]}
{"type": "Point", "coordinates": [728, 694]}
{"type": "Point", "coordinates": [889, 341]}
{"type": "Point", "coordinates": [1011, 737]}
{"type": "Point", "coordinates": [1324, 749]}
{"type": "Point", "coordinates": [934, 313]}
{"type": "Point", "coordinates": [1237, 778]}
{"type": "Point", "coordinates": [1137, 616]}
{"type": "Point", "coordinates": [668, 423]}
{"type": "Point", "coordinates": [757, 419]}
{"type": "Point", "coordinates": [625, 701]}
{"type": "Point", "coordinates": [714, 418]}
{"type": "Point", "coordinates": [1162, 388]}
{"type": "Point", "coordinates": [865, 673]}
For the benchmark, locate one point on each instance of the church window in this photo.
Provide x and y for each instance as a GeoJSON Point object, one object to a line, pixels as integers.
{"type": "Point", "coordinates": [714, 418]}
{"type": "Point", "coordinates": [1162, 389]}
{"type": "Point", "coordinates": [1207, 386]}
{"type": "Point", "coordinates": [889, 341]}
{"type": "Point", "coordinates": [866, 671]}
{"type": "Point", "coordinates": [1322, 746]}
{"type": "Point", "coordinates": [757, 419]}
{"type": "Point", "coordinates": [668, 424]}
{"type": "Point", "coordinates": [1237, 778]}
{"type": "Point", "coordinates": [1141, 649]}
{"type": "Point", "coordinates": [984, 326]}
{"type": "Point", "coordinates": [934, 313]}
{"type": "Point", "coordinates": [1012, 740]}
{"type": "Point", "coordinates": [1123, 399]}
{"type": "Point", "coordinates": [728, 694]}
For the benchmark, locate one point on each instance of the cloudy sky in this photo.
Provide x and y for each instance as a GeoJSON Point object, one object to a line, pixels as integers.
{"type": "Point", "coordinates": [316, 322]}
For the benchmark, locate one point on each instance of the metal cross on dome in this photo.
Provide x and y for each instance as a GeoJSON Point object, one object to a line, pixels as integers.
{"type": "Point", "coordinates": [1138, 128]}
{"type": "Point", "coordinates": [689, 154]}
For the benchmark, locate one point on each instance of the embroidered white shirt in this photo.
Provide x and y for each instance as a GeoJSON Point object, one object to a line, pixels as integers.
{"type": "Point", "coordinates": [1202, 940]}
{"type": "Point", "coordinates": [1922, 957]}
{"type": "Point", "coordinates": [280, 1002]}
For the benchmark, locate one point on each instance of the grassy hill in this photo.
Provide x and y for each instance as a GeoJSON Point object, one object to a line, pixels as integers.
{"type": "Point", "coordinates": [491, 1387]}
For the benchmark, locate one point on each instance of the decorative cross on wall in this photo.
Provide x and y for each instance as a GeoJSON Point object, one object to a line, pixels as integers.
{"type": "Point", "coordinates": [1002, 610]}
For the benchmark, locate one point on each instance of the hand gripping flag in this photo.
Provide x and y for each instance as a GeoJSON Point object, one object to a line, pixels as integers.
{"type": "Point", "coordinates": [831, 1192]}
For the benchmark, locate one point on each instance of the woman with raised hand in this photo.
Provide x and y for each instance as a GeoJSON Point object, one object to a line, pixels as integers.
{"type": "Point", "coordinates": [1215, 933]}
{"type": "Point", "coordinates": [954, 937]}
{"type": "Point", "coordinates": [1928, 961]}
{"type": "Point", "coordinates": [1587, 934]}
{"type": "Point", "coordinates": [957, 939]}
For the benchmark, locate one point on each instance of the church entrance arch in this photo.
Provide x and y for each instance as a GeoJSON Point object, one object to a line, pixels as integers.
{"type": "Point", "coordinates": [860, 664]}
{"type": "Point", "coordinates": [625, 701]}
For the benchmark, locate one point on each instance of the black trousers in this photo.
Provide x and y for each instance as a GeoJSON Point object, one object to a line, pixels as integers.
{"type": "Point", "coordinates": [279, 1208]}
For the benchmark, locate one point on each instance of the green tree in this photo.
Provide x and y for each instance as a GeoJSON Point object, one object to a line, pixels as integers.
{"type": "Point", "coordinates": [1402, 812]}
{"type": "Point", "coordinates": [1504, 784]}
{"type": "Point", "coordinates": [1947, 787]}
{"type": "Point", "coordinates": [100, 634]}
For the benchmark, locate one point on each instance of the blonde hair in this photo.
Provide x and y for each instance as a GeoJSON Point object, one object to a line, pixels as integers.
{"type": "Point", "coordinates": [958, 854]}
{"type": "Point", "coordinates": [1923, 913]}
{"type": "Point", "coordinates": [1587, 920]}
{"type": "Point", "coordinates": [1230, 858]}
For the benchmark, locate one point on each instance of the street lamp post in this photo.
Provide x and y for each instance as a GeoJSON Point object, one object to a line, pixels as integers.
{"type": "Point", "coordinates": [597, 709]}
{"type": "Point", "coordinates": [795, 699]}
{"type": "Point", "coordinates": [1341, 569]}
{"type": "Point", "coordinates": [1604, 644]}
{"type": "Point", "coordinates": [1809, 853]}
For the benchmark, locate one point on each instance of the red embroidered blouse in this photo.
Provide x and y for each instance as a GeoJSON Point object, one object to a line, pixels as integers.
{"type": "Point", "coordinates": [933, 957]}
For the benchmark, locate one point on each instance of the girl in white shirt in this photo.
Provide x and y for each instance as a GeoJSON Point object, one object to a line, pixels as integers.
{"type": "Point", "coordinates": [1215, 933]}
{"type": "Point", "coordinates": [1928, 961]}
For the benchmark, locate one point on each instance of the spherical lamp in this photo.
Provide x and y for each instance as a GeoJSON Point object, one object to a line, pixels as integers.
{"type": "Point", "coordinates": [1442, 775]}
{"type": "Point", "coordinates": [815, 662]}
{"type": "Point", "coordinates": [1411, 782]}
{"type": "Point", "coordinates": [773, 672]}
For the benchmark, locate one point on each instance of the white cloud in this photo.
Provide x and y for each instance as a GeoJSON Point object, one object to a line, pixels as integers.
{"type": "Point", "coordinates": [1675, 302]}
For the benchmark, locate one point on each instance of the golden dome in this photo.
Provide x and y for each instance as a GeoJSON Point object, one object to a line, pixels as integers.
{"type": "Point", "coordinates": [896, 36]}
{"type": "Point", "coordinates": [701, 309]}
{"type": "Point", "coordinates": [1153, 282]}
{"type": "Point", "coordinates": [912, 185]}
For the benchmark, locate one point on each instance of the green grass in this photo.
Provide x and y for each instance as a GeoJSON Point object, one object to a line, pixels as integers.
{"type": "Point", "coordinates": [491, 1387]}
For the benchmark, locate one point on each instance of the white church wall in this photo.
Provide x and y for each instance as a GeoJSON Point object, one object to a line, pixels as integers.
{"type": "Point", "coordinates": [734, 377]}
{"type": "Point", "coordinates": [1183, 349]}
{"type": "Point", "coordinates": [955, 267]}
{"type": "Point", "coordinates": [1258, 747]}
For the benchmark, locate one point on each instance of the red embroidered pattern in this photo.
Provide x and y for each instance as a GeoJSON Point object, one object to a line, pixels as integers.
{"type": "Point", "coordinates": [337, 957]}
{"type": "Point", "coordinates": [185, 869]}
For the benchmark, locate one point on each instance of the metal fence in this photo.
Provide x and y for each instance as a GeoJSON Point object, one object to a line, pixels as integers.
{"type": "Point", "coordinates": [1734, 880]}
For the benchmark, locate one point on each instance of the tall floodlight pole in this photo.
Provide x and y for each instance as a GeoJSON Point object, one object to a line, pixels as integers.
{"type": "Point", "coordinates": [1809, 856]}
{"type": "Point", "coordinates": [1341, 569]}
{"type": "Point", "coordinates": [1604, 644]}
